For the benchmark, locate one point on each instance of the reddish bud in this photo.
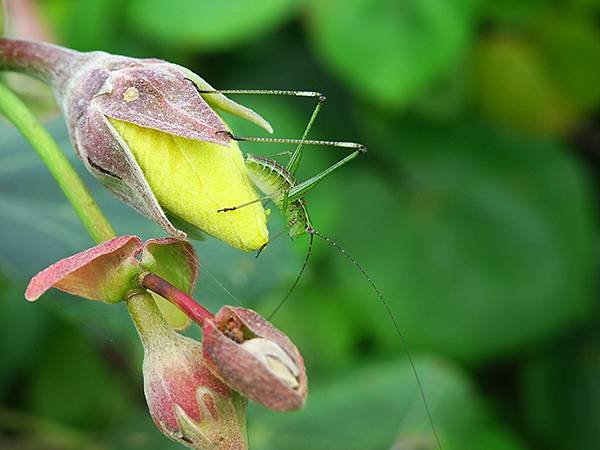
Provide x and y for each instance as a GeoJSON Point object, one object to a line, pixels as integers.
{"type": "Point", "coordinates": [255, 359]}
{"type": "Point", "coordinates": [186, 401]}
{"type": "Point", "coordinates": [150, 132]}
{"type": "Point", "coordinates": [142, 128]}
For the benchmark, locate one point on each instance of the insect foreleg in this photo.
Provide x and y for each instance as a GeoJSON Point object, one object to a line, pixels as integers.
{"type": "Point", "coordinates": [299, 190]}
{"type": "Point", "coordinates": [294, 161]}
{"type": "Point", "coordinates": [267, 140]}
{"type": "Point", "coordinates": [284, 153]}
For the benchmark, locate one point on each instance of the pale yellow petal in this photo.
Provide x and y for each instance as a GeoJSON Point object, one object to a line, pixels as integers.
{"type": "Point", "coordinates": [194, 179]}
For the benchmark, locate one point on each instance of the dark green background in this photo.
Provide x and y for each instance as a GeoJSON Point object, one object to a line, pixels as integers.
{"type": "Point", "coordinates": [474, 211]}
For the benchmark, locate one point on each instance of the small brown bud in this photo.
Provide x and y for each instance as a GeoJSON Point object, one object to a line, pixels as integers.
{"type": "Point", "coordinates": [254, 358]}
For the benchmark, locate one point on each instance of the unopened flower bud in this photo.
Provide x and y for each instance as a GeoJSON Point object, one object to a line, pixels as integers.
{"type": "Point", "coordinates": [141, 127]}
{"type": "Point", "coordinates": [186, 401]}
{"type": "Point", "coordinates": [255, 359]}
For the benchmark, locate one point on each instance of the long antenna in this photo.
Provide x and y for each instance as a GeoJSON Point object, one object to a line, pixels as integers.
{"type": "Point", "coordinates": [312, 232]}
{"type": "Point", "coordinates": [291, 289]}
{"type": "Point", "coordinates": [339, 144]}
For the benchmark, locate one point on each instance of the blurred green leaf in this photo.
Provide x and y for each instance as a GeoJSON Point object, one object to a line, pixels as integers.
{"type": "Point", "coordinates": [482, 245]}
{"type": "Point", "coordinates": [208, 25]}
{"type": "Point", "coordinates": [570, 47]}
{"type": "Point", "coordinates": [505, 12]}
{"type": "Point", "coordinates": [138, 432]}
{"type": "Point", "coordinates": [389, 51]}
{"type": "Point", "coordinates": [544, 82]}
{"type": "Point", "coordinates": [17, 315]}
{"type": "Point", "coordinates": [561, 394]}
{"type": "Point", "coordinates": [74, 385]}
{"type": "Point", "coordinates": [2, 18]}
{"type": "Point", "coordinates": [497, 438]}
{"type": "Point", "coordinates": [585, 6]}
{"type": "Point", "coordinates": [513, 87]}
{"type": "Point", "coordinates": [88, 25]}
{"type": "Point", "coordinates": [373, 407]}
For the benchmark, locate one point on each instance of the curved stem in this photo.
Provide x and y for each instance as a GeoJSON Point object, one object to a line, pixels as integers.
{"type": "Point", "coordinates": [146, 317]}
{"type": "Point", "coordinates": [51, 63]}
{"type": "Point", "coordinates": [187, 304]}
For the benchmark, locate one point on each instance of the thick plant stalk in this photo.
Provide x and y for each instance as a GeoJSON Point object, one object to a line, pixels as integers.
{"type": "Point", "coordinates": [50, 63]}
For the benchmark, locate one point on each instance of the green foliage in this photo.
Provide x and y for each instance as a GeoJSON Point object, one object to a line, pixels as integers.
{"type": "Point", "coordinates": [377, 405]}
{"type": "Point", "coordinates": [389, 51]}
{"type": "Point", "coordinates": [86, 25]}
{"type": "Point", "coordinates": [208, 25]}
{"type": "Point", "coordinates": [512, 87]}
{"type": "Point", "coordinates": [480, 232]}
{"type": "Point", "coordinates": [561, 396]}
{"type": "Point", "coordinates": [512, 12]}
{"type": "Point", "coordinates": [67, 376]}
{"type": "Point", "coordinates": [16, 317]}
{"type": "Point", "coordinates": [545, 82]}
{"type": "Point", "coordinates": [486, 230]}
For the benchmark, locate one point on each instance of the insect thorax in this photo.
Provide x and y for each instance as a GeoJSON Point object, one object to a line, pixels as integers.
{"type": "Point", "coordinates": [274, 181]}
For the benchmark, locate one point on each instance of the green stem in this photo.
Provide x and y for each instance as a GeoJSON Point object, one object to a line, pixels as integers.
{"type": "Point", "coordinates": [147, 318]}
{"type": "Point", "coordinates": [67, 178]}
{"type": "Point", "coordinates": [61, 169]}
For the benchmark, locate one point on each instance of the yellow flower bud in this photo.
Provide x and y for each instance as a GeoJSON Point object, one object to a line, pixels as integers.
{"type": "Point", "coordinates": [193, 179]}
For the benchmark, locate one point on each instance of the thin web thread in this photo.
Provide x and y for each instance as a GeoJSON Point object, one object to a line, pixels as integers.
{"type": "Point", "coordinates": [296, 281]}
{"type": "Point", "coordinates": [393, 319]}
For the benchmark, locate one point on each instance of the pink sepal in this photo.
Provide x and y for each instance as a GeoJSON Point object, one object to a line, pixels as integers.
{"type": "Point", "coordinates": [89, 273]}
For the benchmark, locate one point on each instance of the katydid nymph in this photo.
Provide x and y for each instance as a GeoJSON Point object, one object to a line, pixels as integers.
{"type": "Point", "coordinates": [278, 185]}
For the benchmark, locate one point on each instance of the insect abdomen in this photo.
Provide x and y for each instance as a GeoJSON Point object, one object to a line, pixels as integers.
{"type": "Point", "coordinates": [270, 177]}
{"type": "Point", "coordinates": [274, 181]}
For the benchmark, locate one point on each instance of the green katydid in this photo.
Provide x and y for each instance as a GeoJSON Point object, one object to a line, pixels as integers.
{"type": "Point", "coordinates": [278, 184]}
